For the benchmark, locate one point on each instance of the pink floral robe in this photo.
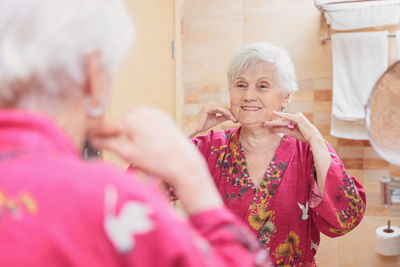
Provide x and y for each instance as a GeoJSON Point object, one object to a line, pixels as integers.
{"type": "Point", "coordinates": [286, 210]}
{"type": "Point", "coordinates": [58, 210]}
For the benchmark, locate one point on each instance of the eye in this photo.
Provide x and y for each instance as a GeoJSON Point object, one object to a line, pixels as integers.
{"type": "Point", "coordinates": [241, 85]}
{"type": "Point", "coordinates": [264, 86]}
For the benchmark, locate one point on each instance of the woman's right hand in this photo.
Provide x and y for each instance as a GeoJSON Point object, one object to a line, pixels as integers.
{"type": "Point", "coordinates": [150, 140]}
{"type": "Point", "coordinates": [210, 115]}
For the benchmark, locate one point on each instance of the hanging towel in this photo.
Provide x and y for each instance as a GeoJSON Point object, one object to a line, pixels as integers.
{"type": "Point", "coordinates": [359, 59]}
{"type": "Point", "coordinates": [355, 130]}
{"type": "Point", "coordinates": [398, 44]}
{"type": "Point", "coordinates": [358, 15]}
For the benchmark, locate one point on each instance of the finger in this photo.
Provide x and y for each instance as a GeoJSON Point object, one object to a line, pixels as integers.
{"type": "Point", "coordinates": [107, 128]}
{"type": "Point", "coordinates": [116, 145]}
{"type": "Point", "coordinates": [225, 117]}
{"type": "Point", "coordinates": [225, 111]}
{"type": "Point", "coordinates": [221, 119]}
{"type": "Point", "coordinates": [288, 116]}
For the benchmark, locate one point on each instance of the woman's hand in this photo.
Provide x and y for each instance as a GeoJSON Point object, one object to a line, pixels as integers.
{"type": "Point", "coordinates": [210, 115]}
{"type": "Point", "coordinates": [295, 125]}
{"type": "Point", "coordinates": [150, 140]}
{"type": "Point", "coordinates": [302, 129]}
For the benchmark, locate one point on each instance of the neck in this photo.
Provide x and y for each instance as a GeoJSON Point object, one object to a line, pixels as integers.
{"type": "Point", "coordinates": [258, 138]}
{"type": "Point", "coordinates": [72, 119]}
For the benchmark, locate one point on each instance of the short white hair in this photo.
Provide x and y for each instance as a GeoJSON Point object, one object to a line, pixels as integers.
{"type": "Point", "coordinates": [39, 39]}
{"type": "Point", "coordinates": [251, 54]}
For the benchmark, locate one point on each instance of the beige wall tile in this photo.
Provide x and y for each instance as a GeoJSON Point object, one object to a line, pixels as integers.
{"type": "Point", "coordinates": [262, 6]}
{"type": "Point", "coordinates": [322, 118]}
{"type": "Point", "coordinates": [212, 88]}
{"type": "Point", "coordinates": [187, 118]}
{"type": "Point", "coordinates": [303, 96]}
{"type": "Point", "coordinates": [351, 152]}
{"type": "Point", "coordinates": [394, 170]}
{"type": "Point", "coordinates": [357, 173]}
{"type": "Point", "coordinates": [309, 116]}
{"type": "Point", "coordinates": [348, 142]}
{"type": "Point", "coordinates": [370, 153]}
{"type": "Point", "coordinates": [323, 95]}
{"type": "Point", "coordinates": [352, 163]}
{"type": "Point", "coordinates": [306, 84]}
{"type": "Point", "coordinates": [190, 88]}
{"type": "Point", "coordinates": [327, 252]}
{"type": "Point", "coordinates": [376, 164]}
{"type": "Point", "coordinates": [332, 140]}
{"type": "Point", "coordinates": [222, 98]}
{"type": "Point", "coordinates": [394, 210]}
{"type": "Point", "coordinates": [375, 175]}
{"type": "Point", "coordinates": [301, 106]}
{"type": "Point", "coordinates": [191, 109]}
{"type": "Point", "coordinates": [311, 59]}
{"type": "Point", "coordinates": [211, 8]}
{"type": "Point", "coordinates": [191, 99]}
{"type": "Point", "coordinates": [323, 84]}
{"type": "Point", "coordinates": [381, 211]}
{"type": "Point", "coordinates": [323, 128]}
{"type": "Point", "coordinates": [208, 44]}
{"type": "Point", "coordinates": [322, 106]}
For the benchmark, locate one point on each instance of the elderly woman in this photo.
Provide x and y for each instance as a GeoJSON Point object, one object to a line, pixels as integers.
{"type": "Point", "coordinates": [57, 58]}
{"type": "Point", "coordinates": [276, 172]}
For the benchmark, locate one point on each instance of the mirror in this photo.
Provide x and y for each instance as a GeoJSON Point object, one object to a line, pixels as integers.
{"type": "Point", "coordinates": [383, 115]}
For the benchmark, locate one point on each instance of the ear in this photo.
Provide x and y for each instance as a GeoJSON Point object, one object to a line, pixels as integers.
{"type": "Point", "coordinates": [286, 100]}
{"type": "Point", "coordinates": [97, 87]}
{"type": "Point", "coordinates": [94, 74]}
{"type": "Point", "coordinates": [95, 93]}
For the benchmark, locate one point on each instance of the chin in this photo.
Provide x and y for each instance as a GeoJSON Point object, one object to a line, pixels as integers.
{"type": "Point", "coordinates": [250, 122]}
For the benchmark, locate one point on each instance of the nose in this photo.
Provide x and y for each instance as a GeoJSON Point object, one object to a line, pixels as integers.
{"type": "Point", "coordinates": [250, 94]}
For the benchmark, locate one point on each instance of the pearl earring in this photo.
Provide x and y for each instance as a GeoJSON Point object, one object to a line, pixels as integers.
{"type": "Point", "coordinates": [96, 111]}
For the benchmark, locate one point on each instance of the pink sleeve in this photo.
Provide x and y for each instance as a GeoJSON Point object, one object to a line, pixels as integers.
{"type": "Point", "coordinates": [343, 204]}
{"type": "Point", "coordinates": [203, 144]}
{"type": "Point", "coordinates": [212, 238]}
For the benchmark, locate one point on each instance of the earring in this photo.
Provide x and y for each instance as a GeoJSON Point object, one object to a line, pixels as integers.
{"type": "Point", "coordinates": [96, 111]}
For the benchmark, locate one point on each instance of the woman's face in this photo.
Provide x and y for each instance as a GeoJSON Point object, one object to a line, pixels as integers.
{"type": "Point", "coordinates": [255, 94]}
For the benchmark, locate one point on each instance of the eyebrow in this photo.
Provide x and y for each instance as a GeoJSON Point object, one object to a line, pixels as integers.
{"type": "Point", "coordinates": [265, 78]}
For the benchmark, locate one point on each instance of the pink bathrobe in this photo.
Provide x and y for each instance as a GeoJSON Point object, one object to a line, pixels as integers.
{"type": "Point", "coordinates": [58, 210]}
{"type": "Point", "coordinates": [286, 210]}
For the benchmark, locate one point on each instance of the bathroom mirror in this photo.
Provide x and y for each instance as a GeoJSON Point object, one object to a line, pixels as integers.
{"type": "Point", "coordinates": [383, 115]}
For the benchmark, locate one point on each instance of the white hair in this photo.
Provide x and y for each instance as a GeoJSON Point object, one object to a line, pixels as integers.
{"type": "Point", "coordinates": [44, 45]}
{"type": "Point", "coordinates": [251, 54]}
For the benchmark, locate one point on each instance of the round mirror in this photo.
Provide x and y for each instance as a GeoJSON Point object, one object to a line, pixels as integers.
{"type": "Point", "coordinates": [383, 115]}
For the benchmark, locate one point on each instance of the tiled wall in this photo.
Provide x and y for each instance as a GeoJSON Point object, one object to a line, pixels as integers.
{"type": "Point", "coordinates": [213, 29]}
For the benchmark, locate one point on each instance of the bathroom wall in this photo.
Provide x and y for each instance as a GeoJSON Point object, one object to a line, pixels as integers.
{"type": "Point", "coordinates": [148, 75]}
{"type": "Point", "coordinates": [213, 29]}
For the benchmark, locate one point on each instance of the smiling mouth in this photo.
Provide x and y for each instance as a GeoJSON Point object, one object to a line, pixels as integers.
{"type": "Point", "coordinates": [250, 108]}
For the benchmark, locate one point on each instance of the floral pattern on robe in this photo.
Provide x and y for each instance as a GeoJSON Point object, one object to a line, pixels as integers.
{"type": "Point", "coordinates": [286, 210]}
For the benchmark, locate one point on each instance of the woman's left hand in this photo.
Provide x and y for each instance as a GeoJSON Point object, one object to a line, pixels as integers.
{"type": "Point", "coordinates": [296, 125]}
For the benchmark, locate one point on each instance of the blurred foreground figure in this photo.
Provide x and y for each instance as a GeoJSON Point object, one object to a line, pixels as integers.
{"type": "Point", "coordinates": [57, 59]}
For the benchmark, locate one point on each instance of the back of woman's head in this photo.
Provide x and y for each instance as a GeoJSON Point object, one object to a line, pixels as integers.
{"type": "Point", "coordinates": [251, 54]}
{"type": "Point", "coordinates": [44, 45]}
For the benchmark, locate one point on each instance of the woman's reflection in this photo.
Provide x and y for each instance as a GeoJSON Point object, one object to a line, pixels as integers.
{"type": "Point", "coordinates": [276, 171]}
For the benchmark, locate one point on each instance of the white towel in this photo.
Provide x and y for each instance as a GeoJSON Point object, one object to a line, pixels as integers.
{"type": "Point", "coordinates": [359, 59]}
{"type": "Point", "coordinates": [355, 130]}
{"type": "Point", "coordinates": [358, 15]}
{"type": "Point", "coordinates": [398, 44]}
